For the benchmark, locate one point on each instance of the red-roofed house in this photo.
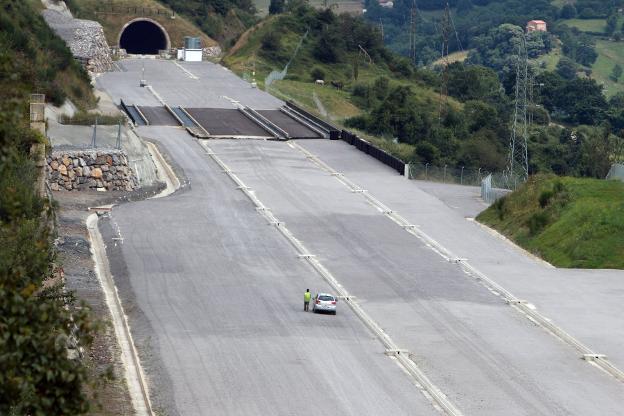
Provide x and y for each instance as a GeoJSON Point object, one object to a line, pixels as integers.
{"type": "Point", "coordinates": [536, 26]}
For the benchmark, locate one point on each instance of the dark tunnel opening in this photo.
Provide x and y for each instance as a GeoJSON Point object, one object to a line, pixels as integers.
{"type": "Point", "coordinates": [143, 37]}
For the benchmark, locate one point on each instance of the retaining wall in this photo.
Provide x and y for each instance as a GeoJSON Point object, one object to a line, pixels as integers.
{"type": "Point", "coordinates": [101, 170]}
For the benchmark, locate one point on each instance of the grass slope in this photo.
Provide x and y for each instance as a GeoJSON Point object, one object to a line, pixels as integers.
{"type": "Point", "coordinates": [325, 101]}
{"type": "Point", "coordinates": [587, 25]}
{"type": "Point", "coordinates": [609, 54]}
{"type": "Point", "coordinates": [459, 56]}
{"type": "Point", "coordinates": [570, 222]}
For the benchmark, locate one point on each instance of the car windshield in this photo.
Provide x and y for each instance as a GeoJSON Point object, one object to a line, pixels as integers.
{"type": "Point", "coordinates": [326, 297]}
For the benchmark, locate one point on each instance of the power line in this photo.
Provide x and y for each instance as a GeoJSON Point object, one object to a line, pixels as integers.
{"type": "Point", "coordinates": [445, 62]}
{"type": "Point", "coordinates": [461, 48]}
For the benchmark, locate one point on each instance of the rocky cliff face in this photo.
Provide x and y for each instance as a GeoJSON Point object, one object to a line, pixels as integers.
{"type": "Point", "coordinates": [90, 170]}
{"type": "Point", "coordinates": [85, 38]}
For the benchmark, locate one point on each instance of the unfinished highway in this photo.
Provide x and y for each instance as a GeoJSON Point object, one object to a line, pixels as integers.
{"type": "Point", "coordinates": [213, 290]}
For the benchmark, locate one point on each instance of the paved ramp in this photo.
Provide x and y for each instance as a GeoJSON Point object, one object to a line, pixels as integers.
{"type": "Point", "coordinates": [226, 122]}
{"type": "Point", "coordinates": [158, 116]}
{"type": "Point", "coordinates": [295, 129]}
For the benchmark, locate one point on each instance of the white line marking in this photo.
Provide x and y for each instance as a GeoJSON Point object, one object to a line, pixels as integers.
{"type": "Point", "coordinates": [133, 372]}
{"type": "Point", "coordinates": [186, 71]}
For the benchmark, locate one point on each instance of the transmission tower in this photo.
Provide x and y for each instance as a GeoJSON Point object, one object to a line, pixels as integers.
{"type": "Point", "coordinates": [412, 35]}
{"type": "Point", "coordinates": [381, 30]}
{"type": "Point", "coordinates": [518, 160]}
{"type": "Point", "coordinates": [446, 29]}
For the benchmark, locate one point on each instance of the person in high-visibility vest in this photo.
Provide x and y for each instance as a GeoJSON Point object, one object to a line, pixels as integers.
{"type": "Point", "coordinates": [306, 300]}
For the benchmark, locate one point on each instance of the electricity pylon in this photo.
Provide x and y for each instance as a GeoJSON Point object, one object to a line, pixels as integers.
{"type": "Point", "coordinates": [518, 159]}
{"type": "Point", "coordinates": [412, 38]}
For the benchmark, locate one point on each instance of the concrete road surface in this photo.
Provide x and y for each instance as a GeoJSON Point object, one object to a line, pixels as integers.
{"type": "Point", "coordinates": [586, 303]}
{"type": "Point", "coordinates": [202, 85]}
{"type": "Point", "coordinates": [485, 356]}
{"type": "Point", "coordinates": [214, 293]}
{"type": "Point", "coordinates": [215, 299]}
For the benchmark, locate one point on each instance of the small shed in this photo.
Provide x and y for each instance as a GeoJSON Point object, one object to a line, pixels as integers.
{"type": "Point", "coordinates": [192, 49]}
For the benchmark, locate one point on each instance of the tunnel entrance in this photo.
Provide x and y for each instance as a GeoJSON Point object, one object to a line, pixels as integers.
{"type": "Point", "coordinates": [145, 37]}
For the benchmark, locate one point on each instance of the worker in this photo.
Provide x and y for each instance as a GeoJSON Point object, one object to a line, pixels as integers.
{"type": "Point", "coordinates": [306, 300]}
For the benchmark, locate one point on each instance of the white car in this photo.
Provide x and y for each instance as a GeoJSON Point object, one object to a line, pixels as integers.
{"type": "Point", "coordinates": [324, 302]}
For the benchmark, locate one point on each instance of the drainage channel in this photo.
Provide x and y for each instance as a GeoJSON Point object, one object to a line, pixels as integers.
{"type": "Point", "coordinates": [521, 305]}
{"type": "Point", "coordinates": [402, 356]}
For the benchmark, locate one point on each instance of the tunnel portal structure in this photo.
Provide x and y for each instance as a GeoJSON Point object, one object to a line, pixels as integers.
{"type": "Point", "coordinates": [144, 36]}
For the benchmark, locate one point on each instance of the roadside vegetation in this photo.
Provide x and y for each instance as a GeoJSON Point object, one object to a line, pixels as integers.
{"type": "Point", "coordinates": [569, 222]}
{"type": "Point", "coordinates": [36, 375]}
{"type": "Point", "coordinates": [223, 20]}
{"type": "Point", "coordinates": [397, 105]}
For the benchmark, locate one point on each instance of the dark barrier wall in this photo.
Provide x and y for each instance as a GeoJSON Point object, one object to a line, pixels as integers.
{"type": "Point", "coordinates": [123, 106]}
{"type": "Point", "coordinates": [381, 155]}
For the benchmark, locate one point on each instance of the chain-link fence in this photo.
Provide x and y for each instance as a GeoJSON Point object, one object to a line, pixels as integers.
{"type": "Point", "coordinates": [447, 174]}
{"type": "Point", "coordinates": [494, 185]}
{"type": "Point", "coordinates": [616, 172]}
{"type": "Point", "coordinates": [280, 75]}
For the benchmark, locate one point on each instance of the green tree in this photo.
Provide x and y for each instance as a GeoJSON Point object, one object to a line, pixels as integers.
{"type": "Point", "coordinates": [566, 68]}
{"type": "Point", "coordinates": [276, 6]}
{"type": "Point", "coordinates": [568, 11]}
{"type": "Point", "coordinates": [611, 25]}
{"type": "Point", "coordinates": [463, 6]}
{"type": "Point", "coordinates": [616, 73]}
{"type": "Point", "coordinates": [317, 73]}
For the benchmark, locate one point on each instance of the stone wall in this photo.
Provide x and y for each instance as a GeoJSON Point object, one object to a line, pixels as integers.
{"type": "Point", "coordinates": [85, 38]}
{"type": "Point", "coordinates": [90, 170]}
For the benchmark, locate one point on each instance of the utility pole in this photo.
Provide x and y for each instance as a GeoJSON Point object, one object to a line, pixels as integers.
{"type": "Point", "coordinates": [446, 29]}
{"type": "Point", "coordinates": [518, 159]}
{"type": "Point", "coordinates": [381, 30]}
{"type": "Point", "coordinates": [412, 35]}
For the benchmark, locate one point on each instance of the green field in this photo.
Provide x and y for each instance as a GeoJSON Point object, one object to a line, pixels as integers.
{"type": "Point", "coordinates": [587, 25]}
{"type": "Point", "coordinates": [570, 222]}
{"type": "Point", "coordinates": [609, 54]}
{"type": "Point", "coordinates": [550, 59]}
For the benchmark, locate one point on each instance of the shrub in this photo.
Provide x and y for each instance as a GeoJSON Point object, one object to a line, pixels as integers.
{"type": "Point", "coordinates": [317, 73]}
{"type": "Point", "coordinates": [501, 207]}
{"type": "Point", "coordinates": [545, 198]}
{"type": "Point", "coordinates": [537, 222]}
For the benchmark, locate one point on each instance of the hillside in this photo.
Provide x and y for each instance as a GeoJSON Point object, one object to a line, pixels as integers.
{"type": "Point", "coordinates": [223, 20]}
{"type": "Point", "coordinates": [570, 222]}
{"type": "Point", "coordinates": [355, 83]}
{"type": "Point", "coordinates": [36, 374]}
{"type": "Point", "coordinates": [28, 43]}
